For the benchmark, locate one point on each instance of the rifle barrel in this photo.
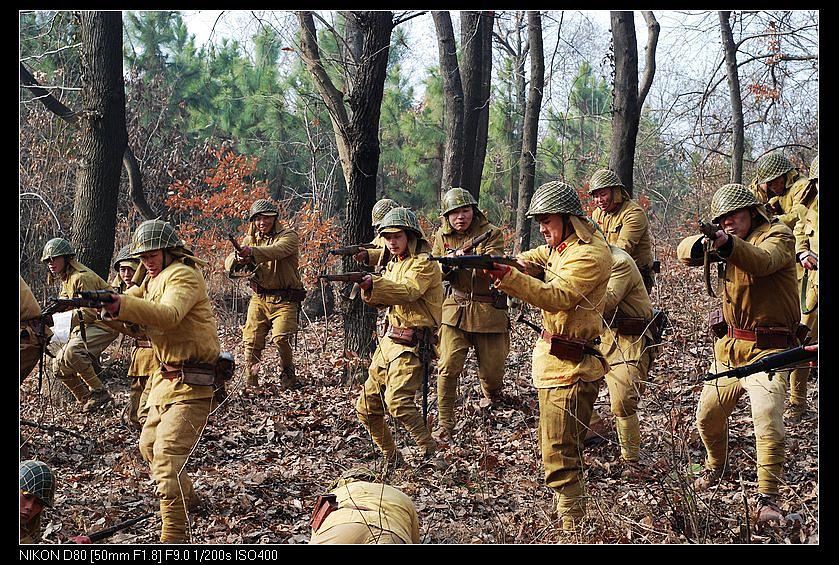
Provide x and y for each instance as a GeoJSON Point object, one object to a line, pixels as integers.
{"type": "Point", "coordinates": [108, 532]}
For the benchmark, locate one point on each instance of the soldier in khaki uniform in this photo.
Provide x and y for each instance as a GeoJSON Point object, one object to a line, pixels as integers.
{"type": "Point", "coordinates": [411, 289]}
{"type": "Point", "coordinates": [470, 318]}
{"type": "Point", "coordinates": [143, 364]}
{"type": "Point", "coordinates": [271, 252]}
{"type": "Point", "coordinates": [37, 490]}
{"type": "Point", "coordinates": [806, 233]}
{"type": "Point", "coordinates": [760, 309]}
{"type": "Point", "coordinates": [367, 512]}
{"type": "Point", "coordinates": [32, 343]}
{"type": "Point", "coordinates": [77, 363]}
{"type": "Point", "coordinates": [782, 187]}
{"type": "Point", "coordinates": [377, 257]}
{"type": "Point", "coordinates": [567, 279]}
{"type": "Point", "coordinates": [627, 342]}
{"type": "Point", "coordinates": [623, 222]}
{"type": "Point", "coordinates": [172, 305]}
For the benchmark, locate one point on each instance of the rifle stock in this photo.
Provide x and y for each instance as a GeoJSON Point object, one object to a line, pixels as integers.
{"type": "Point", "coordinates": [475, 241]}
{"type": "Point", "coordinates": [351, 249]}
{"type": "Point", "coordinates": [768, 363]}
{"type": "Point", "coordinates": [353, 277]}
{"type": "Point", "coordinates": [235, 243]}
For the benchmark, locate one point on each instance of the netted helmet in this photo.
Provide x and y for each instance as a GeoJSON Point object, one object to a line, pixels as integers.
{"type": "Point", "coordinates": [37, 479]}
{"type": "Point", "coordinates": [771, 166]}
{"type": "Point", "coordinates": [455, 198]}
{"type": "Point", "coordinates": [152, 235]}
{"type": "Point", "coordinates": [56, 247]}
{"type": "Point", "coordinates": [555, 197]}
{"type": "Point", "coordinates": [380, 209]}
{"type": "Point", "coordinates": [604, 178]}
{"type": "Point", "coordinates": [124, 255]}
{"type": "Point", "coordinates": [263, 206]}
{"type": "Point", "coordinates": [400, 219]}
{"type": "Point", "coordinates": [729, 198]}
{"type": "Point", "coordinates": [814, 168]}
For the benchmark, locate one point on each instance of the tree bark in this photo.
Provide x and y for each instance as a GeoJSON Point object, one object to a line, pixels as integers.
{"type": "Point", "coordinates": [103, 141]}
{"type": "Point", "coordinates": [737, 128]}
{"type": "Point", "coordinates": [452, 101]}
{"type": "Point", "coordinates": [627, 114]}
{"type": "Point", "coordinates": [527, 174]}
{"type": "Point", "coordinates": [475, 67]}
{"type": "Point", "coordinates": [482, 131]}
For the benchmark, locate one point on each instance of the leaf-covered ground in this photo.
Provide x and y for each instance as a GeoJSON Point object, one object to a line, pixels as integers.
{"type": "Point", "coordinates": [265, 455]}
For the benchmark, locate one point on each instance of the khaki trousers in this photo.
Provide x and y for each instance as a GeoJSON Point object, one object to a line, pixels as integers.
{"type": "Point", "coordinates": [491, 351]}
{"type": "Point", "coordinates": [798, 378]}
{"type": "Point", "coordinates": [75, 364]}
{"type": "Point", "coordinates": [138, 410]}
{"type": "Point", "coordinates": [280, 319]}
{"type": "Point", "coordinates": [717, 402]}
{"type": "Point", "coordinates": [168, 437]}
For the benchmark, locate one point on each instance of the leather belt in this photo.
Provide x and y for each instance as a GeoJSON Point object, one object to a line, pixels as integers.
{"type": "Point", "coordinates": [737, 333]}
{"type": "Point", "coordinates": [473, 297]}
{"type": "Point", "coordinates": [146, 344]}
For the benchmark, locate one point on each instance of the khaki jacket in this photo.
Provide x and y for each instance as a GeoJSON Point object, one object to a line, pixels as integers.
{"type": "Point", "coordinates": [471, 316]}
{"type": "Point", "coordinates": [77, 277]}
{"type": "Point", "coordinates": [276, 256]}
{"type": "Point", "coordinates": [29, 307]}
{"type": "Point", "coordinates": [628, 228]}
{"type": "Point", "coordinates": [806, 233]}
{"type": "Point", "coordinates": [143, 362]}
{"type": "Point", "coordinates": [626, 295]}
{"type": "Point", "coordinates": [375, 504]}
{"type": "Point", "coordinates": [380, 256]}
{"type": "Point", "coordinates": [791, 199]}
{"type": "Point", "coordinates": [758, 287]}
{"type": "Point", "coordinates": [576, 275]}
{"type": "Point", "coordinates": [177, 315]}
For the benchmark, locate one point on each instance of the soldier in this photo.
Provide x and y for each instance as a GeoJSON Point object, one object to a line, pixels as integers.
{"type": "Point", "coordinates": [470, 315]}
{"type": "Point", "coordinates": [33, 338]}
{"type": "Point", "coordinates": [37, 489]}
{"type": "Point", "coordinates": [782, 186]}
{"type": "Point", "coordinates": [575, 265]}
{"type": "Point", "coordinates": [171, 303]}
{"type": "Point", "coordinates": [143, 363]}
{"type": "Point", "coordinates": [272, 252]}
{"type": "Point", "coordinates": [77, 363]}
{"type": "Point", "coordinates": [760, 311]}
{"type": "Point", "coordinates": [623, 222]}
{"type": "Point", "coordinates": [412, 291]}
{"type": "Point", "coordinates": [377, 257]}
{"type": "Point", "coordinates": [365, 511]}
{"type": "Point", "coordinates": [806, 233]}
{"type": "Point", "coordinates": [627, 342]}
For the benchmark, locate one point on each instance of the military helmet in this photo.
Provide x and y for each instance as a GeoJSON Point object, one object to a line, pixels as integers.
{"type": "Point", "coordinates": [555, 197]}
{"type": "Point", "coordinates": [37, 479]}
{"type": "Point", "coordinates": [604, 178]}
{"type": "Point", "coordinates": [124, 254]}
{"type": "Point", "coordinates": [380, 209]}
{"type": "Point", "coordinates": [263, 206]}
{"type": "Point", "coordinates": [400, 219]}
{"type": "Point", "coordinates": [456, 198]}
{"type": "Point", "coordinates": [729, 198]}
{"type": "Point", "coordinates": [56, 247]}
{"type": "Point", "coordinates": [814, 168]}
{"type": "Point", "coordinates": [152, 235]}
{"type": "Point", "coordinates": [771, 166]}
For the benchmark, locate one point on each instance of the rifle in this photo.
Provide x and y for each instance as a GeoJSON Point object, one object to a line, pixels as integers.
{"type": "Point", "coordinates": [709, 230]}
{"type": "Point", "coordinates": [803, 297]}
{"type": "Point", "coordinates": [235, 243]}
{"type": "Point", "coordinates": [354, 277]}
{"type": "Point", "coordinates": [425, 359]}
{"type": "Point", "coordinates": [476, 261]}
{"type": "Point", "coordinates": [108, 532]}
{"type": "Point", "coordinates": [474, 242]}
{"type": "Point", "coordinates": [352, 249]}
{"type": "Point", "coordinates": [84, 299]}
{"type": "Point", "coordinates": [767, 364]}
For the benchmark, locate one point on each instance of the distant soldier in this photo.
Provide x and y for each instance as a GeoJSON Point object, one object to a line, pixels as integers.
{"type": "Point", "coordinates": [624, 223]}
{"type": "Point", "coordinates": [474, 315]}
{"type": "Point", "coordinates": [364, 511]}
{"type": "Point", "coordinates": [77, 363]}
{"type": "Point", "coordinates": [171, 303]}
{"type": "Point", "coordinates": [784, 188]}
{"type": "Point", "coordinates": [412, 291]}
{"type": "Point", "coordinates": [37, 490]}
{"type": "Point", "coordinates": [760, 316]}
{"type": "Point", "coordinates": [272, 252]}
{"type": "Point", "coordinates": [143, 364]}
{"type": "Point", "coordinates": [32, 338]}
{"type": "Point", "coordinates": [573, 276]}
{"type": "Point", "coordinates": [806, 233]}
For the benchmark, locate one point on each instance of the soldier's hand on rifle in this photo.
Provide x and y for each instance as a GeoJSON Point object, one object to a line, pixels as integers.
{"type": "Point", "coordinates": [721, 239]}
{"type": "Point", "coordinates": [809, 260]}
{"type": "Point", "coordinates": [498, 271]}
{"type": "Point", "coordinates": [244, 255]}
{"type": "Point", "coordinates": [366, 283]}
{"type": "Point", "coordinates": [112, 308]}
{"type": "Point", "coordinates": [362, 256]}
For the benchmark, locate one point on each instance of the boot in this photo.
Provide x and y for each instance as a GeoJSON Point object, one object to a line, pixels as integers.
{"type": "Point", "coordinates": [795, 412]}
{"type": "Point", "coordinates": [598, 431]}
{"type": "Point", "coordinates": [288, 378]}
{"type": "Point", "coordinates": [493, 398]}
{"type": "Point", "coordinates": [431, 457]}
{"type": "Point", "coordinates": [97, 399]}
{"type": "Point", "coordinates": [767, 509]}
{"type": "Point", "coordinates": [251, 375]}
{"type": "Point", "coordinates": [442, 435]}
{"type": "Point", "coordinates": [709, 478]}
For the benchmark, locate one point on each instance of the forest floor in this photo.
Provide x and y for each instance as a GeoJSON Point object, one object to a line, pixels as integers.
{"type": "Point", "coordinates": [265, 455]}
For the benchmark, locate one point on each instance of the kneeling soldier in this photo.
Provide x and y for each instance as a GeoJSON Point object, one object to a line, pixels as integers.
{"type": "Point", "coordinates": [34, 335]}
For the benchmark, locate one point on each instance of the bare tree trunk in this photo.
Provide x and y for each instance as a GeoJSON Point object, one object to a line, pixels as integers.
{"type": "Point", "coordinates": [530, 131]}
{"type": "Point", "coordinates": [452, 101]}
{"type": "Point", "coordinates": [482, 131]}
{"type": "Point", "coordinates": [625, 98]}
{"type": "Point", "coordinates": [737, 128]}
{"type": "Point", "coordinates": [103, 141]}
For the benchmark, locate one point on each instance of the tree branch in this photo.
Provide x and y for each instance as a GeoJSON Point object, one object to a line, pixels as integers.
{"type": "Point", "coordinates": [653, 29]}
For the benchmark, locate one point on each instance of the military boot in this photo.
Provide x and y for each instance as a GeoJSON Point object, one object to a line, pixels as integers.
{"type": "Point", "coordinates": [767, 509]}
{"type": "Point", "coordinates": [97, 399]}
{"type": "Point", "coordinates": [795, 412]}
{"type": "Point", "coordinates": [288, 378]}
{"type": "Point", "coordinates": [709, 478]}
{"type": "Point", "coordinates": [251, 378]}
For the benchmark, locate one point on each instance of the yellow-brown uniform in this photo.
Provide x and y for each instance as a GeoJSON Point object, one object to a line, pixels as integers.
{"type": "Point", "coordinates": [177, 315]}
{"type": "Point", "coordinates": [627, 343]}
{"type": "Point", "coordinates": [379, 256]}
{"type": "Point", "coordinates": [470, 320]}
{"type": "Point", "coordinates": [30, 532]}
{"type": "Point", "coordinates": [31, 343]}
{"type": "Point", "coordinates": [411, 289]}
{"type": "Point", "coordinates": [627, 227]}
{"type": "Point", "coordinates": [757, 291]}
{"type": "Point", "coordinates": [369, 513]}
{"type": "Point", "coordinates": [276, 256]}
{"type": "Point", "coordinates": [806, 233]}
{"type": "Point", "coordinates": [571, 297]}
{"type": "Point", "coordinates": [77, 362]}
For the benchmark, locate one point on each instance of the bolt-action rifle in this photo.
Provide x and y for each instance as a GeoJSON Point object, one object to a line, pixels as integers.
{"type": "Point", "coordinates": [477, 261]}
{"type": "Point", "coordinates": [108, 532]}
{"type": "Point", "coordinates": [350, 250]}
{"type": "Point", "coordinates": [354, 277]}
{"type": "Point", "coordinates": [84, 299]}
{"type": "Point", "coordinates": [709, 230]}
{"type": "Point", "coordinates": [772, 362]}
{"type": "Point", "coordinates": [474, 242]}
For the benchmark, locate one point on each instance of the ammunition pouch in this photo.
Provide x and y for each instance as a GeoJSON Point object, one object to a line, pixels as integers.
{"type": "Point", "coordinates": [801, 333]}
{"type": "Point", "coordinates": [289, 294]}
{"type": "Point", "coordinates": [499, 300]}
{"type": "Point", "coordinates": [717, 324]}
{"type": "Point", "coordinates": [568, 348]}
{"type": "Point", "coordinates": [325, 504]}
{"type": "Point", "coordinates": [202, 374]}
{"type": "Point", "coordinates": [647, 277]}
{"type": "Point", "coordinates": [142, 343]}
{"type": "Point", "coordinates": [629, 325]}
{"type": "Point", "coordinates": [656, 267]}
{"type": "Point", "coordinates": [411, 336]}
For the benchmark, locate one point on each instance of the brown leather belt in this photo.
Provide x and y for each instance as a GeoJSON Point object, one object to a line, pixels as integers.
{"type": "Point", "coordinates": [146, 344]}
{"type": "Point", "coordinates": [737, 333]}
{"type": "Point", "coordinates": [199, 373]}
{"type": "Point", "coordinates": [765, 338]}
{"type": "Point", "coordinates": [290, 294]}
{"type": "Point", "coordinates": [473, 297]}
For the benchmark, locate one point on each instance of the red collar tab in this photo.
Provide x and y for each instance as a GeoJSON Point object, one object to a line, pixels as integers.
{"type": "Point", "coordinates": [561, 247]}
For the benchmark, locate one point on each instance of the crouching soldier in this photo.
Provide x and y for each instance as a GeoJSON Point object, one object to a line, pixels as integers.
{"type": "Point", "coordinates": [760, 315]}
{"type": "Point", "coordinates": [359, 509]}
{"type": "Point", "coordinates": [412, 291]}
{"type": "Point", "coordinates": [37, 490]}
{"type": "Point", "coordinates": [171, 303]}
{"type": "Point", "coordinates": [34, 336]}
{"type": "Point", "coordinates": [573, 275]}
